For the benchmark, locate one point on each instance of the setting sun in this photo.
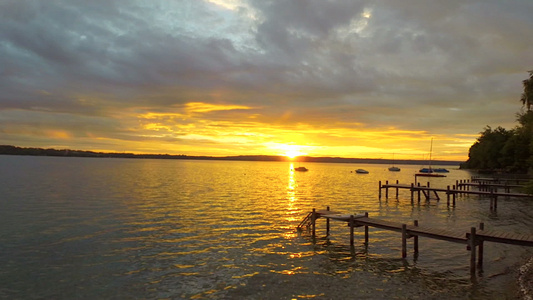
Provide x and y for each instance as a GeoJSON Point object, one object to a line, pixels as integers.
{"type": "Point", "coordinates": [292, 151]}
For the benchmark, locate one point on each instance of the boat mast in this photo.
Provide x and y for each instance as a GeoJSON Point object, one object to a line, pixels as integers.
{"type": "Point", "coordinates": [430, 150]}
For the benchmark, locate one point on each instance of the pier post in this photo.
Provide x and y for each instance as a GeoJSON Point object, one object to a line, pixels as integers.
{"type": "Point", "coordinates": [313, 223]}
{"type": "Point", "coordinates": [380, 189]}
{"type": "Point", "coordinates": [366, 230]}
{"type": "Point", "coordinates": [412, 192]}
{"type": "Point", "coordinates": [327, 223]}
{"type": "Point", "coordinates": [416, 238]}
{"type": "Point", "coordinates": [448, 195]}
{"type": "Point", "coordinates": [493, 200]}
{"type": "Point", "coordinates": [351, 229]}
{"type": "Point", "coordinates": [404, 241]}
{"type": "Point", "coordinates": [397, 182]}
{"type": "Point", "coordinates": [454, 196]}
{"type": "Point", "coordinates": [480, 249]}
{"type": "Point", "coordinates": [418, 193]}
{"type": "Point", "coordinates": [387, 189]}
{"type": "Point", "coordinates": [472, 244]}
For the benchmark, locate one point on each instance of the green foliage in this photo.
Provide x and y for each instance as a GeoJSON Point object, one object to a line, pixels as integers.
{"type": "Point", "coordinates": [507, 150]}
{"type": "Point", "coordinates": [487, 152]}
{"type": "Point", "coordinates": [528, 188]}
{"type": "Point", "coordinates": [527, 95]}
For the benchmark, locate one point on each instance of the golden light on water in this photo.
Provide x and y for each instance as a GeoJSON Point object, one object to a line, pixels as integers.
{"type": "Point", "coordinates": [292, 213]}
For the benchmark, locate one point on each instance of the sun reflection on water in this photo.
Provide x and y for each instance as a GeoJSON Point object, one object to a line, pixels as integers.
{"type": "Point", "coordinates": [292, 212]}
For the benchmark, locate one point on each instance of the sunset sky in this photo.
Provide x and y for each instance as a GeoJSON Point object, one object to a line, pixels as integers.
{"type": "Point", "coordinates": [234, 77]}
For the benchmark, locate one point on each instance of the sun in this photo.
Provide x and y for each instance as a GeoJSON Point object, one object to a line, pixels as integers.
{"type": "Point", "coordinates": [292, 151]}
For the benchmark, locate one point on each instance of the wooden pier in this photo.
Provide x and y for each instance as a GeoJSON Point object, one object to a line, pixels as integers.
{"type": "Point", "coordinates": [472, 238]}
{"type": "Point", "coordinates": [517, 181]}
{"type": "Point", "coordinates": [461, 187]}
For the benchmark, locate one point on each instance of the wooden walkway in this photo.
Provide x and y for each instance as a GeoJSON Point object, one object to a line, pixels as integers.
{"type": "Point", "coordinates": [459, 188]}
{"type": "Point", "coordinates": [473, 238]}
{"type": "Point", "coordinates": [518, 181]}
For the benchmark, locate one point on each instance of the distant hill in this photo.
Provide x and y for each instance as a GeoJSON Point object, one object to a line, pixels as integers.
{"type": "Point", "coordinates": [13, 150]}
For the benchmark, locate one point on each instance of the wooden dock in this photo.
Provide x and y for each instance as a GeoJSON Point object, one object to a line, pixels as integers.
{"type": "Point", "coordinates": [460, 188]}
{"type": "Point", "coordinates": [472, 238]}
{"type": "Point", "coordinates": [517, 181]}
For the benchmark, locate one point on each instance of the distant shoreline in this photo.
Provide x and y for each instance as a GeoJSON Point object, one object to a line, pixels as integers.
{"type": "Point", "coordinates": [14, 150]}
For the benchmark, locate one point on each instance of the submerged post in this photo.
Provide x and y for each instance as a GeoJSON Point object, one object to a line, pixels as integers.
{"type": "Point", "coordinates": [454, 196]}
{"type": "Point", "coordinates": [380, 189]}
{"type": "Point", "coordinates": [416, 238]}
{"type": "Point", "coordinates": [412, 192]}
{"type": "Point", "coordinates": [480, 248]}
{"type": "Point", "coordinates": [351, 230]}
{"type": "Point", "coordinates": [397, 182]}
{"type": "Point", "coordinates": [366, 230]}
{"type": "Point", "coordinates": [327, 223]}
{"type": "Point", "coordinates": [472, 244]}
{"type": "Point", "coordinates": [418, 193]}
{"type": "Point", "coordinates": [404, 241]}
{"type": "Point", "coordinates": [387, 189]}
{"type": "Point", "coordinates": [448, 195]}
{"type": "Point", "coordinates": [313, 223]}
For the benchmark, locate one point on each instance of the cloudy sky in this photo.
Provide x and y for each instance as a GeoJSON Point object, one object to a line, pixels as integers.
{"type": "Point", "coordinates": [229, 77]}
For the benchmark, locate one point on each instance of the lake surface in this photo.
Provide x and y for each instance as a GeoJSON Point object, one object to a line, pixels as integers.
{"type": "Point", "coordinates": [96, 228]}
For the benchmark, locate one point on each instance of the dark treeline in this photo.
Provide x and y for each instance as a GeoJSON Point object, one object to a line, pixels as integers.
{"type": "Point", "coordinates": [13, 150]}
{"type": "Point", "coordinates": [507, 151]}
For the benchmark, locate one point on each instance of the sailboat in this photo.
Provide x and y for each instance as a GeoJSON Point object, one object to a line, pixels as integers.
{"type": "Point", "coordinates": [394, 168]}
{"type": "Point", "coordinates": [300, 169]}
{"type": "Point", "coordinates": [429, 172]}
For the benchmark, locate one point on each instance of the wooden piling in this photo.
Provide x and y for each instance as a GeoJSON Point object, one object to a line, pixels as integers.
{"type": "Point", "coordinates": [327, 223]}
{"type": "Point", "coordinates": [366, 230]}
{"type": "Point", "coordinates": [448, 195]}
{"type": "Point", "coordinates": [352, 224]}
{"type": "Point", "coordinates": [404, 240]}
{"type": "Point", "coordinates": [313, 223]}
{"type": "Point", "coordinates": [472, 244]}
{"type": "Point", "coordinates": [418, 193]}
{"type": "Point", "coordinates": [412, 192]}
{"type": "Point", "coordinates": [454, 196]}
{"type": "Point", "coordinates": [480, 248]}
{"type": "Point", "coordinates": [416, 239]}
{"type": "Point", "coordinates": [387, 189]}
{"type": "Point", "coordinates": [397, 182]}
{"type": "Point", "coordinates": [380, 189]}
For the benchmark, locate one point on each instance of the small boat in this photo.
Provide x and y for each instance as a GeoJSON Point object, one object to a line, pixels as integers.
{"type": "Point", "coordinates": [429, 175]}
{"type": "Point", "coordinates": [361, 171]}
{"type": "Point", "coordinates": [430, 172]}
{"type": "Point", "coordinates": [394, 168]}
{"type": "Point", "coordinates": [301, 169]}
{"type": "Point", "coordinates": [426, 170]}
{"type": "Point", "coordinates": [441, 170]}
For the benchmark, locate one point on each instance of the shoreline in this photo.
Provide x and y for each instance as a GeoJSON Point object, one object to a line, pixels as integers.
{"type": "Point", "coordinates": [525, 280]}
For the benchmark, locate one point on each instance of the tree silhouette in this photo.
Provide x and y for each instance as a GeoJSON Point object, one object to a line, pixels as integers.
{"type": "Point", "coordinates": [527, 95]}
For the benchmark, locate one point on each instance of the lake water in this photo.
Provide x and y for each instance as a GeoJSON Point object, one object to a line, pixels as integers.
{"type": "Point", "coordinates": [96, 228]}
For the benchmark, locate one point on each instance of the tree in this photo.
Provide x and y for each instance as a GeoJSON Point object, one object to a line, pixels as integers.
{"type": "Point", "coordinates": [487, 153]}
{"type": "Point", "coordinates": [527, 95]}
